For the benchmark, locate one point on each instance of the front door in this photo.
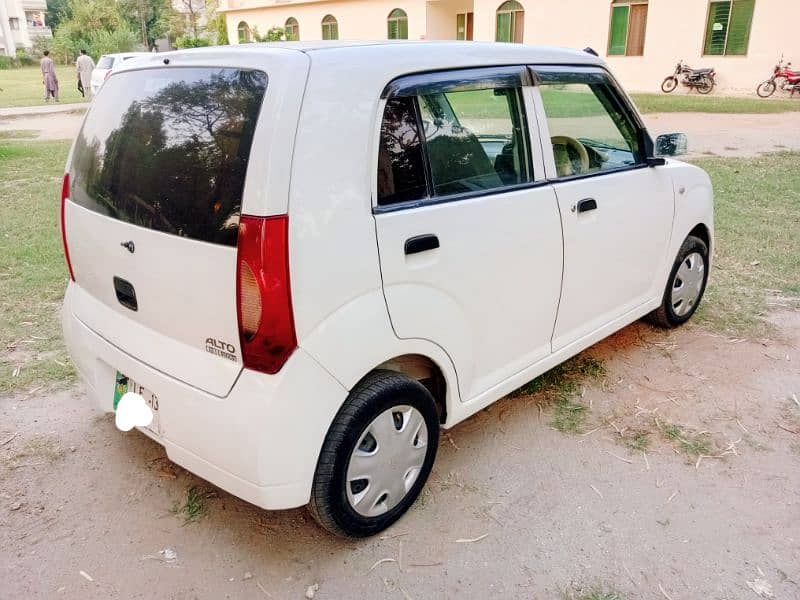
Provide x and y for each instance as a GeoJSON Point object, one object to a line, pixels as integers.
{"type": "Point", "coordinates": [469, 240]}
{"type": "Point", "coordinates": [616, 212]}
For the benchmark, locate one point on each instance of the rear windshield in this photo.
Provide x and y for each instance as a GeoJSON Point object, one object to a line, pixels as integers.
{"type": "Point", "coordinates": [105, 62]}
{"type": "Point", "coordinates": [167, 149]}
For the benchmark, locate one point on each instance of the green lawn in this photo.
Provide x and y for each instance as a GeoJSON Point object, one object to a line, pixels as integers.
{"type": "Point", "coordinates": [653, 103]}
{"type": "Point", "coordinates": [32, 269]}
{"type": "Point", "coordinates": [757, 253]}
{"type": "Point", "coordinates": [23, 87]}
{"type": "Point", "coordinates": [758, 245]}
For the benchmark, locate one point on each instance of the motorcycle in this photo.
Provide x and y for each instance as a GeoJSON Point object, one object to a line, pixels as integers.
{"type": "Point", "coordinates": [782, 75]}
{"type": "Point", "coordinates": [702, 79]}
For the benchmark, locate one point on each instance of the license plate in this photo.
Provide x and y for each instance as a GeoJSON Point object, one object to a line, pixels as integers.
{"type": "Point", "coordinates": [125, 384]}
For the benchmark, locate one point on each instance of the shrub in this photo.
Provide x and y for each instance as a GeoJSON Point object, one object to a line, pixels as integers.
{"type": "Point", "coordinates": [192, 42]}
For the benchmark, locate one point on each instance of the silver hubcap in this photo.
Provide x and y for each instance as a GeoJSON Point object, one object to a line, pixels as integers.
{"type": "Point", "coordinates": [387, 460]}
{"type": "Point", "coordinates": [688, 283]}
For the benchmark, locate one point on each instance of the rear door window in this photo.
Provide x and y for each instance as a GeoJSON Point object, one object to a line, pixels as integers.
{"type": "Point", "coordinates": [474, 140]}
{"type": "Point", "coordinates": [451, 134]}
{"type": "Point", "coordinates": [167, 149]}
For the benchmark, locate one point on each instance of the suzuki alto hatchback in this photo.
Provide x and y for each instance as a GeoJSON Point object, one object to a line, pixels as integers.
{"type": "Point", "coordinates": [310, 258]}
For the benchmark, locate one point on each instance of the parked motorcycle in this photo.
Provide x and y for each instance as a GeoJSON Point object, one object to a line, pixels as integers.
{"type": "Point", "coordinates": [783, 76]}
{"type": "Point", "coordinates": [702, 79]}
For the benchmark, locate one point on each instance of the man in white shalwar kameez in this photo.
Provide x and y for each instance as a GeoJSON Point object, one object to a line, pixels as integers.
{"type": "Point", "coordinates": [85, 66]}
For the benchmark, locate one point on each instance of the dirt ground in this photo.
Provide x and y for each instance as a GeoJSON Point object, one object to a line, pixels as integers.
{"type": "Point", "coordinates": [709, 134]}
{"type": "Point", "coordinates": [551, 515]}
{"type": "Point", "coordinates": [560, 513]}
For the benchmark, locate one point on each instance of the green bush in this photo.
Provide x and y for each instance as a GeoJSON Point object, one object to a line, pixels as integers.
{"type": "Point", "coordinates": [192, 42]}
{"type": "Point", "coordinates": [24, 59]}
{"type": "Point", "coordinates": [6, 62]}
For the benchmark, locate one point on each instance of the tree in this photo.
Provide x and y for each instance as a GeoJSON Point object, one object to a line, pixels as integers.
{"type": "Point", "coordinates": [94, 25]}
{"type": "Point", "coordinates": [151, 18]}
{"type": "Point", "coordinates": [57, 10]}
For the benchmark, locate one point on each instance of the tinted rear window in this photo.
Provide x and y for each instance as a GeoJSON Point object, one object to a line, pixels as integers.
{"type": "Point", "coordinates": [167, 149]}
{"type": "Point", "coordinates": [105, 62]}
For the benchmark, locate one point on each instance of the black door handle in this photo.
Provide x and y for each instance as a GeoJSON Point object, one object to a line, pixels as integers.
{"type": "Point", "coordinates": [421, 243]}
{"type": "Point", "coordinates": [586, 204]}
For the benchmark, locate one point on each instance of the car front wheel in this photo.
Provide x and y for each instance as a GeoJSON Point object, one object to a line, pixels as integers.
{"type": "Point", "coordinates": [685, 286]}
{"type": "Point", "coordinates": [377, 455]}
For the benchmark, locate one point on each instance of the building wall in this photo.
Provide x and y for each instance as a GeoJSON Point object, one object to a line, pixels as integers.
{"type": "Point", "coordinates": [357, 19]}
{"type": "Point", "coordinates": [675, 30]}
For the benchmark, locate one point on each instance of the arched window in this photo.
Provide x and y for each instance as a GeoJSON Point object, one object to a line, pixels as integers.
{"type": "Point", "coordinates": [330, 28]}
{"type": "Point", "coordinates": [244, 33]}
{"type": "Point", "coordinates": [292, 29]}
{"type": "Point", "coordinates": [510, 22]}
{"type": "Point", "coordinates": [398, 24]}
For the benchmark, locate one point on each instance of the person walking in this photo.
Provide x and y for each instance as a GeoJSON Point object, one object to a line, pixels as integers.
{"type": "Point", "coordinates": [85, 65]}
{"type": "Point", "coordinates": [49, 77]}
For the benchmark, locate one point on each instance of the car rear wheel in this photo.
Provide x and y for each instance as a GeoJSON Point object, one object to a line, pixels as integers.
{"type": "Point", "coordinates": [669, 84]}
{"type": "Point", "coordinates": [377, 455]}
{"type": "Point", "coordinates": [685, 286]}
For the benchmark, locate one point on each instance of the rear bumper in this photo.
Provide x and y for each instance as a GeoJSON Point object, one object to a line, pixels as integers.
{"type": "Point", "coordinates": [260, 442]}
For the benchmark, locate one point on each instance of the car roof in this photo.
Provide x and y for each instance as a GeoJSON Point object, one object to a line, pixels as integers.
{"type": "Point", "coordinates": [371, 50]}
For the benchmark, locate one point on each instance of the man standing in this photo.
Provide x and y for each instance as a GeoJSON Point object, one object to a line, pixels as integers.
{"type": "Point", "coordinates": [49, 77]}
{"type": "Point", "coordinates": [85, 65]}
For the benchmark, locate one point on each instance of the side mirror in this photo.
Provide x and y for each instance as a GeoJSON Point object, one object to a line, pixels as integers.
{"type": "Point", "coordinates": [671, 144]}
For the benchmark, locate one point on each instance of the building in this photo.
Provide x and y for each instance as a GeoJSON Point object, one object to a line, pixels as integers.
{"type": "Point", "coordinates": [21, 22]}
{"type": "Point", "coordinates": [642, 40]}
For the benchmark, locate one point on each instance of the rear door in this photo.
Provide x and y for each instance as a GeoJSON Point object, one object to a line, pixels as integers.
{"type": "Point", "coordinates": [616, 211]}
{"type": "Point", "coordinates": [468, 231]}
{"type": "Point", "coordinates": [157, 179]}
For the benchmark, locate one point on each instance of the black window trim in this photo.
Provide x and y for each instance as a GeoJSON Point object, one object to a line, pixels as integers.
{"type": "Point", "coordinates": [458, 80]}
{"type": "Point", "coordinates": [541, 71]}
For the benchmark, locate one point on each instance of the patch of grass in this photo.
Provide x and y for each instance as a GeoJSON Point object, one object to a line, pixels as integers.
{"type": "Point", "coordinates": [653, 103]}
{"type": "Point", "coordinates": [16, 134]}
{"type": "Point", "coordinates": [757, 252]}
{"type": "Point", "coordinates": [602, 595]}
{"type": "Point", "coordinates": [33, 274]}
{"type": "Point", "coordinates": [559, 386]}
{"type": "Point", "coordinates": [23, 87]}
{"type": "Point", "coordinates": [688, 442]}
{"type": "Point", "coordinates": [637, 440]}
{"type": "Point", "coordinates": [194, 506]}
{"type": "Point", "coordinates": [568, 416]}
{"type": "Point", "coordinates": [594, 593]}
{"type": "Point", "coordinates": [562, 379]}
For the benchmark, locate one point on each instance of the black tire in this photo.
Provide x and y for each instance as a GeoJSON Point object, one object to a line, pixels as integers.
{"type": "Point", "coordinates": [766, 88]}
{"type": "Point", "coordinates": [665, 315]}
{"type": "Point", "coordinates": [669, 84]}
{"type": "Point", "coordinates": [376, 393]}
{"type": "Point", "coordinates": [705, 85]}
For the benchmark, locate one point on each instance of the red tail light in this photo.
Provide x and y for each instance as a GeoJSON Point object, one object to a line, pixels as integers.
{"type": "Point", "coordinates": [263, 295]}
{"type": "Point", "coordinates": [64, 196]}
{"type": "Point", "coordinates": [107, 75]}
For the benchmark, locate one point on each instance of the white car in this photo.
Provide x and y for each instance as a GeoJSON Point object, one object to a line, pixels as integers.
{"type": "Point", "coordinates": [106, 65]}
{"type": "Point", "coordinates": [309, 259]}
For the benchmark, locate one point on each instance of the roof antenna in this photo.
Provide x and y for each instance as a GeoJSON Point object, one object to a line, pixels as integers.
{"type": "Point", "coordinates": [589, 50]}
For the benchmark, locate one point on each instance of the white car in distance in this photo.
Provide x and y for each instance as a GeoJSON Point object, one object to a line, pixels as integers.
{"type": "Point", "coordinates": [106, 65]}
